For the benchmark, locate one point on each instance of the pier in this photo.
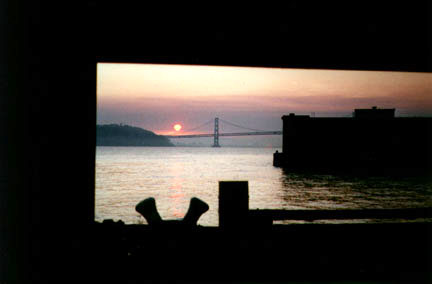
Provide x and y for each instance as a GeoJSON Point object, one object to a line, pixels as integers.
{"type": "Point", "coordinates": [246, 246]}
{"type": "Point", "coordinates": [372, 142]}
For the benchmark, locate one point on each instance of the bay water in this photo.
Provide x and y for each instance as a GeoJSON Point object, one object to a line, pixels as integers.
{"type": "Point", "coordinates": [173, 175]}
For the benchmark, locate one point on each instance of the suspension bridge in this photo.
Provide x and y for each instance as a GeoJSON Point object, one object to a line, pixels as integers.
{"type": "Point", "coordinates": [216, 133]}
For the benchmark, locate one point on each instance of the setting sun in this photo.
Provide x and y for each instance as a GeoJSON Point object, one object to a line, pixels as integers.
{"type": "Point", "coordinates": [177, 127]}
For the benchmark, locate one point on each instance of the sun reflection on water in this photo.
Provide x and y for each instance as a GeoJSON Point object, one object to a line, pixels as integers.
{"type": "Point", "coordinates": [127, 175]}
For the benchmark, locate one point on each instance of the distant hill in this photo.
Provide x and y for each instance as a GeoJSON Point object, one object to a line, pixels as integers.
{"type": "Point", "coordinates": [125, 135]}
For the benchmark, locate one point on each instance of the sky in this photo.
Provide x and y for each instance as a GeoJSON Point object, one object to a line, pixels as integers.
{"type": "Point", "coordinates": [156, 97]}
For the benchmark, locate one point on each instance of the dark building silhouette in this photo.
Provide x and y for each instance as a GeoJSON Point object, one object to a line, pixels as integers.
{"type": "Point", "coordinates": [374, 113]}
{"type": "Point", "coordinates": [373, 141]}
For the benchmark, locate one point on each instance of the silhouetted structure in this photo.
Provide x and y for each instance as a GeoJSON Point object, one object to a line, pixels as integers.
{"type": "Point", "coordinates": [374, 113]}
{"type": "Point", "coordinates": [246, 246]}
{"type": "Point", "coordinates": [216, 133]}
{"type": "Point", "coordinates": [373, 141]}
{"type": "Point", "coordinates": [147, 208]}
{"type": "Point", "coordinates": [50, 108]}
{"type": "Point", "coordinates": [233, 203]}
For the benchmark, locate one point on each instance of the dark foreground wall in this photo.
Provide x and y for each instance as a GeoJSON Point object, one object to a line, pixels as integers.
{"type": "Point", "coordinates": [353, 252]}
{"type": "Point", "coordinates": [48, 105]}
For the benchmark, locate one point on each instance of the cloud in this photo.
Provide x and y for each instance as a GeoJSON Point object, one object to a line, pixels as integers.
{"type": "Point", "coordinates": [252, 109]}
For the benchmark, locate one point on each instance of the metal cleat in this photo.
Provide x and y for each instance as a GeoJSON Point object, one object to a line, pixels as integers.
{"type": "Point", "coordinates": [147, 208]}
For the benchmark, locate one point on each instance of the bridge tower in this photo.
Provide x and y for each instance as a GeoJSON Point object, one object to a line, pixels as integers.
{"type": "Point", "coordinates": [216, 133]}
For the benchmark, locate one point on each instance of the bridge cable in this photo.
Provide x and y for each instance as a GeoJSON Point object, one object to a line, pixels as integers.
{"type": "Point", "coordinates": [204, 124]}
{"type": "Point", "coordinates": [239, 126]}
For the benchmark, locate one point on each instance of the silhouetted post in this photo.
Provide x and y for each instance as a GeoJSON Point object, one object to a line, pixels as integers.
{"type": "Point", "coordinates": [233, 204]}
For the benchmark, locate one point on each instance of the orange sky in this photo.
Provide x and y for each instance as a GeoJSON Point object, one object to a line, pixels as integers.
{"type": "Point", "coordinates": [157, 96]}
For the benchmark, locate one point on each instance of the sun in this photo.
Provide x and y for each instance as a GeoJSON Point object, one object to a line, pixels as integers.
{"type": "Point", "coordinates": [177, 127]}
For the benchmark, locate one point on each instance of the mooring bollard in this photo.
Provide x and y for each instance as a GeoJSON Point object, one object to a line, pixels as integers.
{"type": "Point", "coordinates": [197, 207]}
{"type": "Point", "coordinates": [147, 208]}
{"type": "Point", "coordinates": [233, 204]}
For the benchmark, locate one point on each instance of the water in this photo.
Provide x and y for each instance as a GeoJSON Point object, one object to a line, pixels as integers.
{"type": "Point", "coordinates": [173, 175]}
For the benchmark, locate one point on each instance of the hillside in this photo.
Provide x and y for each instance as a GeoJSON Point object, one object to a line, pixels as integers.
{"type": "Point", "coordinates": [125, 135]}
